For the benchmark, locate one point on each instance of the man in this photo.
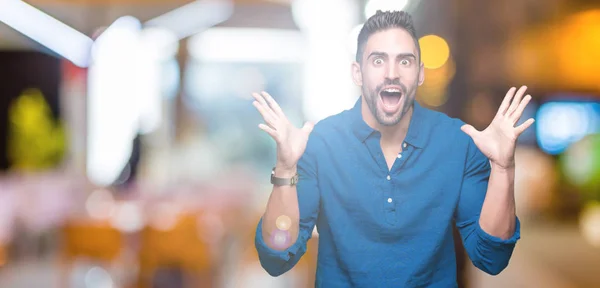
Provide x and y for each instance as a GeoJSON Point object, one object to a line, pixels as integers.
{"type": "Point", "coordinates": [385, 181]}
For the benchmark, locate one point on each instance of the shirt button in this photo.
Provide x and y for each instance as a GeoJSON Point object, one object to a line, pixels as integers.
{"type": "Point", "coordinates": [404, 145]}
{"type": "Point", "coordinates": [399, 156]}
{"type": "Point", "coordinates": [388, 177]}
{"type": "Point", "coordinates": [389, 200]}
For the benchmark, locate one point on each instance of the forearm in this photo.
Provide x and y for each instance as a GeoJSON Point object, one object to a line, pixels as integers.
{"type": "Point", "coordinates": [282, 204]}
{"type": "Point", "coordinates": [498, 214]}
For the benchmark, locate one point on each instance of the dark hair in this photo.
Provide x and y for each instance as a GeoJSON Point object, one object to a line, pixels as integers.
{"type": "Point", "coordinates": [382, 21]}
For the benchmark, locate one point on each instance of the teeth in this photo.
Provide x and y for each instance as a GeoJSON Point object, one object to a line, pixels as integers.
{"type": "Point", "coordinates": [391, 90]}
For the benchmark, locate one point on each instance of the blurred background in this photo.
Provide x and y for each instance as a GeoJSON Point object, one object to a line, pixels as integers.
{"type": "Point", "coordinates": [130, 154]}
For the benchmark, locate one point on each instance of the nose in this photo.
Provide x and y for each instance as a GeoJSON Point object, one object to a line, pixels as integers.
{"type": "Point", "coordinates": [392, 71]}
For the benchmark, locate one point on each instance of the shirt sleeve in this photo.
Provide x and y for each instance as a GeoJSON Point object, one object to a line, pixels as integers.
{"type": "Point", "coordinates": [278, 262]}
{"type": "Point", "coordinates": [489, 253]}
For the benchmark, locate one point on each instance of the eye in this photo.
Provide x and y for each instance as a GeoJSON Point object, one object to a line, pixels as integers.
{"type": "Point", "coordinates": [405, 62]}
{"type": "Point", "coordinates": [378, 61]}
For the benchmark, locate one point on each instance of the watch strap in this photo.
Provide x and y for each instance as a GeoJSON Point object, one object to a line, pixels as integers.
{"type": "Point", "coordinates": [278, 181]}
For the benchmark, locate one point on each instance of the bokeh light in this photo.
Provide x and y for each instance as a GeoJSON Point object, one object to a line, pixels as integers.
{"type": "Point", "coordinates": [434, 51]}
{"type": "Point", "coordinates": [561, 54]}
{"type": "Point", "coordinates": [433, 92]}
{"type": "Point", "coordinates": [280, 239]}
{"type": "Point", "coordinates": [578, 57]}
{"type": "Point", "coordinates": [589, 223]}
{"type": "Point", "coordinates": [559, 124]}
{"type": "Point", "coordinates": [100, 205]}
{"type": "Point", "coordinates": [128, 217]}
{"type": "Point", "coordinates": [283, 222]}
{"type": "Point", "coordinates": [581, 165]}
{"type": "Point", "coordinates": [97, 277]}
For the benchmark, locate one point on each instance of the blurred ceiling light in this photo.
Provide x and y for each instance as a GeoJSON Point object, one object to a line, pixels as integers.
{"type": "Point", "coordinates": [384, 5]}
{"type": "Point", "coordinates": [46, 30]}
{"type": "Point", "coordinates": [194, 17]}
{"type": "Point", "coordinates": [434, 51]}
{"type": "Point", "coordinates": [327, 87]}
{"type": "Point", "coordinates": [159, 43]}
{"type": "Point", "coordinates": [247, 45]}
{"type": "Point", "coordinates": [123, 29]}
{"type": "Point", "coordinates": [114, 111]}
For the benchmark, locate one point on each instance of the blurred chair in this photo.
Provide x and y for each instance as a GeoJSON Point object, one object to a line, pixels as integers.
{"type": "Point", "coordinates": [177, 248]}
{"type": "Point", "coordinates": [96, 241]}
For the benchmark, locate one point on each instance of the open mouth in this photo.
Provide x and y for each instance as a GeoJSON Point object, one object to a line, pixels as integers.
{"type": "Point", "coordinates": [390, 97]}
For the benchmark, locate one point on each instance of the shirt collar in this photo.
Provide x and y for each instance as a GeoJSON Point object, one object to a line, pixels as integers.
{"type": "Point", "coordinates": [417, 128]}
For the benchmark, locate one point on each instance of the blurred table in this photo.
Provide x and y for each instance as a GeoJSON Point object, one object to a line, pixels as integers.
{"type": "Point", "coordinates": [549, 255]}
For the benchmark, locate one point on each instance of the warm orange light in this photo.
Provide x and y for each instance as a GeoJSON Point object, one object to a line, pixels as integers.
{"type": "Point", "coordinates": [560, 55]}
{"type": "Point", "coordinates": [434, 51]}
{"type": "Point", "coordinates": [434, 91]}
{"type": "Point", "coordinates": [578, 50]}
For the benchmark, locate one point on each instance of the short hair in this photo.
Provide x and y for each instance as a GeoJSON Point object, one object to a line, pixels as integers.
{"type": "Point", "coordinates": [382, 21]}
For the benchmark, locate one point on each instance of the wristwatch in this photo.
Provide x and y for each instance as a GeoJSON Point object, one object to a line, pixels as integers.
{"type": "Point", "coordinates": [283, 181]}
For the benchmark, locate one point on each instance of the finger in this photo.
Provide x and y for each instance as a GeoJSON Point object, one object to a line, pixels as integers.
{"type": "Point", "coordinates": [519, 112]}
{"type": "Point", "coordinates": [469, 130]}
{"type": "Point", "coordinates": [269, 130]}
{"type": "Point", "coordinates": [506, 101]}
{"type": "Point", "coordinates": [265, 113]}
{"type": "Point", "coordinates": [273, 104]}
{"type": "Point", "coordinates": [516, 101]}
{"type": "Point", "coordinates": [259, 98]}
{"type": "Point", "coordinates": [521, 128]}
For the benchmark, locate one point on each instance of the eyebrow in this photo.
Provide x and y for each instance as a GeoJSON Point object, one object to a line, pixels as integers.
{"type": "Point", "coordinates": [383, 54]}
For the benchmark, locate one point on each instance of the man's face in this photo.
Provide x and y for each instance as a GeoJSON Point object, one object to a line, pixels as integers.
{"type": "Point", "coordinates": [389, 74]}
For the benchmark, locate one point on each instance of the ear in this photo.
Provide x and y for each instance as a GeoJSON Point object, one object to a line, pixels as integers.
{"type": "Point", "coordinates": [421, 74]}
{"type": "Point", "coordinates": [356, 74]}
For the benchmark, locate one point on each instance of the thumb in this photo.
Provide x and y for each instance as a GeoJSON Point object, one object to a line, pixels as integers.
{"type": "Point", "coordinates": [469, 130]}
{"type": "Point", "coordinates": [308, 127]}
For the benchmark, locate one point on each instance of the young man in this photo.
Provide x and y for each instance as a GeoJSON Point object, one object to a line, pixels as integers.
{"type": "Point", "coordinates": [385, 181]}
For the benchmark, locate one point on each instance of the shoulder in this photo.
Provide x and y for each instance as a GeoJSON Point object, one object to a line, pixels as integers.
{"type": "Point", "coordinates": [331, 126]}
{"type": "Point", "coordinates": [455, 143]}
{"type": "Point", "coordinates": [448, 129]}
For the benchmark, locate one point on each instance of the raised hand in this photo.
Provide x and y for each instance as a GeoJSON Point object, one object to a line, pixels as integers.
{"type": "Point", "coordinates": [291, 141]}
{"type": "Point", "coordinates": [498, 140]}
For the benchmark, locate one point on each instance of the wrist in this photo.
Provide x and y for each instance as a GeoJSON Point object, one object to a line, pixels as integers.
{"type": "Point", "coordinates": [283, 171]}
{"type": "Point", "coordinates": [508, 167]}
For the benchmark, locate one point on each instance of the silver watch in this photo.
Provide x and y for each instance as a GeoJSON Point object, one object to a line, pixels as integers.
{"type": "Point", "coordinates": [277, 181]}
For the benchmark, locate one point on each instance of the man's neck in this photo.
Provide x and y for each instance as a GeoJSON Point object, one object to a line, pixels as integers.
{"type": "Point", "coordinates": [390, 135]}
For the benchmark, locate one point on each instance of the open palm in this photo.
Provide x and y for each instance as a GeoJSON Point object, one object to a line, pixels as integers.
{"type": "Point", "coordinates": [498, 140]}
{"type": "Point", "coordinates": [291, 141]}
